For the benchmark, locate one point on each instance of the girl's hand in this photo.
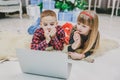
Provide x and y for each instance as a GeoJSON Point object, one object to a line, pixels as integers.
{"type": "Point", "coordinates": [76, 36]}
{"type": "Point", "coordinates": [53, 32]}
{"type": "Point", "coordinates": [75, 55]}
{"type": "Point", "coordinates": [77, 40]}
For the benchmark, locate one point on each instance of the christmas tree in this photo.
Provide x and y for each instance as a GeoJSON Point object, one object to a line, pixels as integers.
{"type": "Point", "coordinates": [67, 5]}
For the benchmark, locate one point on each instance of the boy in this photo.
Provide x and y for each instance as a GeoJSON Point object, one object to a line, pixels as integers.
{"type": "Point", "coordinates": [49, 34]}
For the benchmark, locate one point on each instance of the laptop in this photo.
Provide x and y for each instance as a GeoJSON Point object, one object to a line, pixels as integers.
{"type": "Point", "coordinates": [44, 63]}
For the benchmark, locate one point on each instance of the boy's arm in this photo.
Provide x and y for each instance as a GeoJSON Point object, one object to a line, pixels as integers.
{"type": "Point", "coordinates": [59, 39]}
{"type": "Point", "coordinates": [38, 41]}
{"type": "Point", "coordinates": [61, 35]}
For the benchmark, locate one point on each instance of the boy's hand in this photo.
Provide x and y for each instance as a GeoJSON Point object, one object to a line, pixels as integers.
{"type": "Point", "coordinates": [48, 39]}
{"type": "Point", "coordinates": [53, 32]}
{"type": "Point", "coordinates": [47, 35]}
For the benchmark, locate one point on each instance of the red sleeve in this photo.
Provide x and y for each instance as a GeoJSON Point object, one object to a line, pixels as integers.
{"type": "Point", "coordinates": [59, 39]}
{"type": "Point", "coordinates": [61, 35]}
{"type": "Point", "coordinates": [38, 40]}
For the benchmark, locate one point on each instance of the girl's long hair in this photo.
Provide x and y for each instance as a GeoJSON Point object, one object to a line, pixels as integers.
{"type": "Point", "coordinates": [90, 18]}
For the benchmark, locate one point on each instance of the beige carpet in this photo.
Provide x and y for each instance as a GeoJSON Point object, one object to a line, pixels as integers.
{"type": "Point", "coordinates": [10, 41]}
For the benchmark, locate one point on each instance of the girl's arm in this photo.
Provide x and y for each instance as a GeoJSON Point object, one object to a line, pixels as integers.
{"type": "Point", "coordinates": [96, 43]}
{"type": "Point", "coordinates": [76, 38]}
{"type": "Point", "coordinates": [88, 53]}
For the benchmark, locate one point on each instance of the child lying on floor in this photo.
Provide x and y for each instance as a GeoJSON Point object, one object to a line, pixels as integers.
{"type": "Point", "coordinates": [84, 38]}
{"type": "Point", "coordinates": [49, 34]}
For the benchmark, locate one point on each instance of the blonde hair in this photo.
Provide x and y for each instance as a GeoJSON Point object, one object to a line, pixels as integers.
{"type": "Point", "coordinates": [48, 13]}
{"type": "Point", "coordinates": [90, 18]}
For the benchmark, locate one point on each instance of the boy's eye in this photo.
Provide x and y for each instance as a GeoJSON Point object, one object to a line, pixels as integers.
{"type": "Point", "coordinates": [45, 24]}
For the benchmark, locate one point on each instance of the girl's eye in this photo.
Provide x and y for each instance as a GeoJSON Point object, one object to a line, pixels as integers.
{"type": "Point", "coordinates": [84, 26]}
{"type": "Point", "coordinates": [45, 24]}
{"type": "Point", "coordinates": [78, 23]}
{"type": "Point", "coordinates": [52, 24]}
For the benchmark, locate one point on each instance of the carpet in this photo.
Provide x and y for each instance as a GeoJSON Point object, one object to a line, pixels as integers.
{"type": "Point", "coordinates": [10, 41]}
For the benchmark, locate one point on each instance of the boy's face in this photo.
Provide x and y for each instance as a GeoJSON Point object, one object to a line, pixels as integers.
{"type": "Point", "coordinates": [48, 23]}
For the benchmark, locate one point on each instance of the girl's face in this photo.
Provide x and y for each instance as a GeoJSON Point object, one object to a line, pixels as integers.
{"type": "Point", "coordinates": [48, 23]}
{"type": "Point", "coordinates": [83, 29]}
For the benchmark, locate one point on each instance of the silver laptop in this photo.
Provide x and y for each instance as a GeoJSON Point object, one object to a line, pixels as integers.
{"type": "Point", "coordinates": [44, 63]}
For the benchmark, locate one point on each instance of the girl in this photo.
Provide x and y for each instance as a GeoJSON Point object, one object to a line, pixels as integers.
{"type": "Point", "coordinates": [84, 38]}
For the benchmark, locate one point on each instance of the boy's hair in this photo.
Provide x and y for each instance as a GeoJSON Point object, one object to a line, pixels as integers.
{"type": "Point", "coordinates": [48, 13]}
{"type": "Point", "coordinates": [90, 18]}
